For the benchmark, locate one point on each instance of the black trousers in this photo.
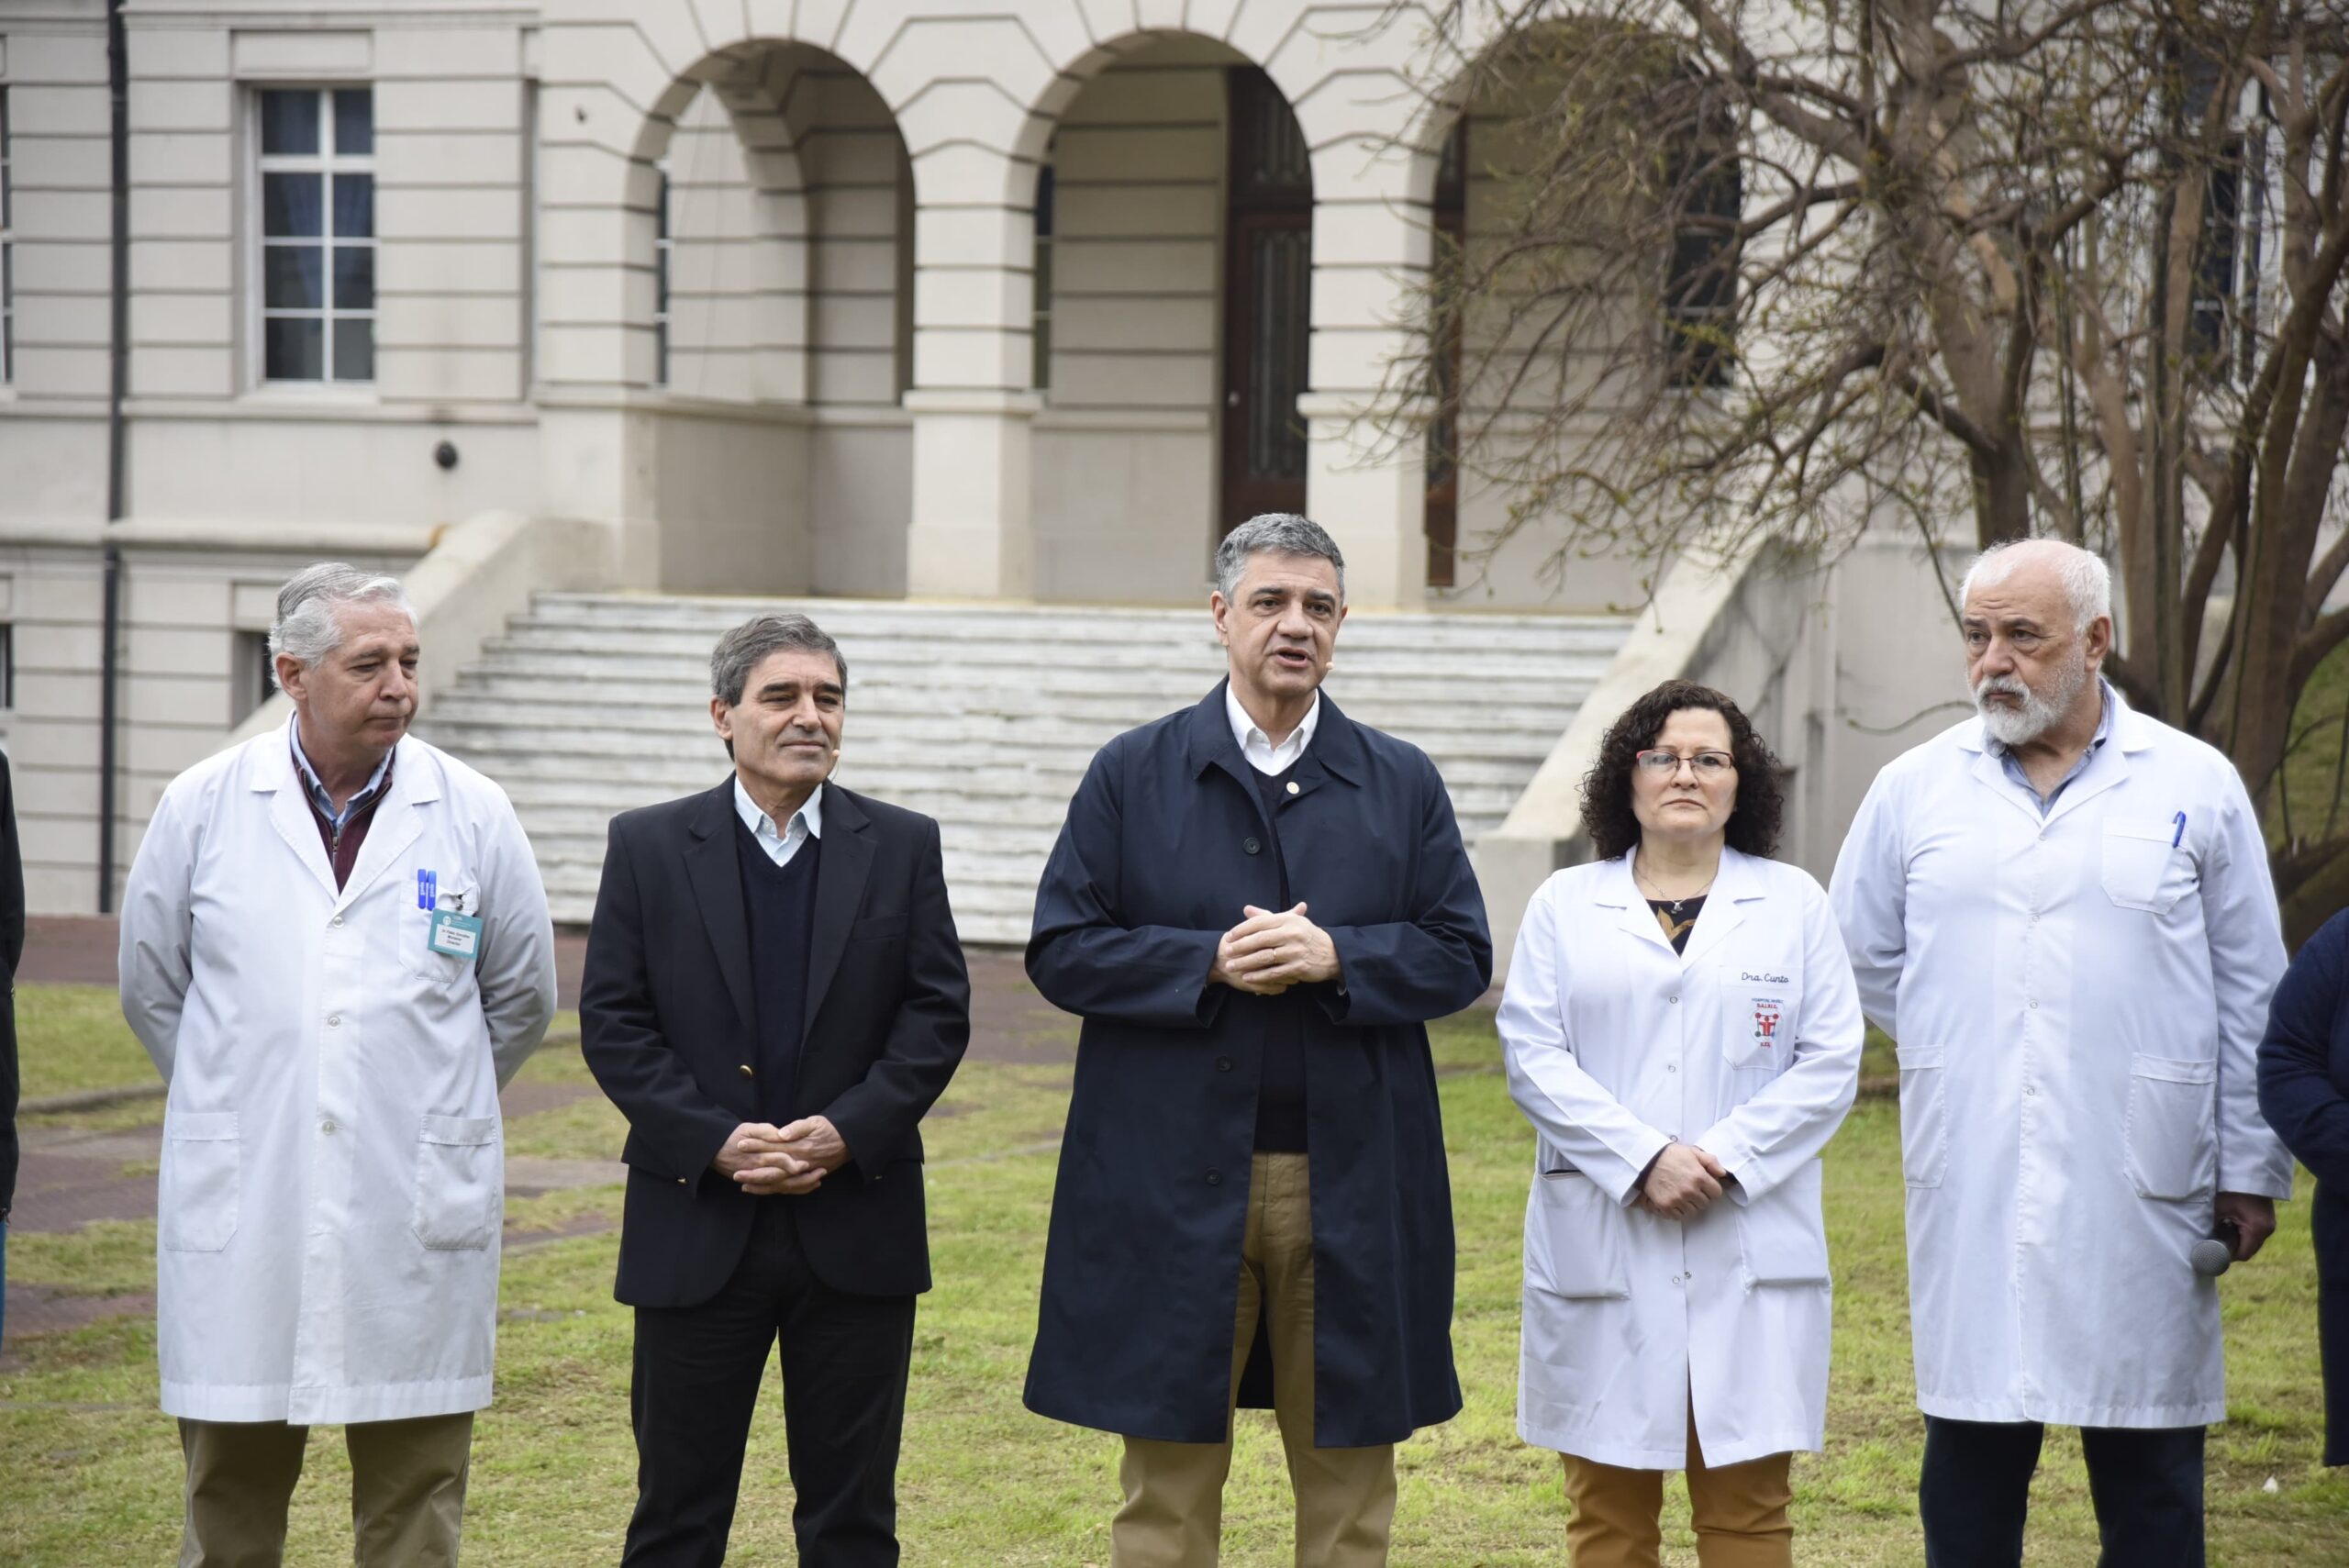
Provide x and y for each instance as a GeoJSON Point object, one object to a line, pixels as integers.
{"type": "Point", "coordinates": [697, 1383]}
{"type": "Point", "coordinates": [2147, 1484]}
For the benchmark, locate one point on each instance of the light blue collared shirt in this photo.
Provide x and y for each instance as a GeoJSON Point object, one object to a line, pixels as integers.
{"type": "Point", "coordinates": [318, 792]}
{"type": "Point", "coordinates": [2013, 764]}
{"type": "Point", "coordinates": [780, 844]}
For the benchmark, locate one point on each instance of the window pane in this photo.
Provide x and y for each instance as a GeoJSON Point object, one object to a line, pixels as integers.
{"type": "Point", "coordinates": [289, 122]}
{"type": "Point", "coordinates": [293, 349]}
{"type": "Point", "coordinates": [290, 204]}
{"type": "Point", "coordinates": [354, 122]}
{"type": "Point", "coordinates": [354, 204]}
{"type": "Point", "coordinates": [354, 349]}
{"type": "Point", "coordinates": [354, 277]}
{"type": "Point", "coordinates": [293, 277]}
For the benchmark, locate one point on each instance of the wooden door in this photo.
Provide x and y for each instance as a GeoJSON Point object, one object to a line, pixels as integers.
{"type": "Point", "coordinates": [1268, 296]}
{"type": "Point", "coordinates": [1449, 222]}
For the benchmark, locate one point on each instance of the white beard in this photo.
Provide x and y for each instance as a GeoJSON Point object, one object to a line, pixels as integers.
{"type": "Point", "coordinates": [2035, 712]}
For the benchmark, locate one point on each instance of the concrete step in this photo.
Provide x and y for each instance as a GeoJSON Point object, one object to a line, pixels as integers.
{"type": "Point", "coordinates": [1034, 625]}
{"type": "Point", "coordinates": [977, 739]}
{"type": "Point", "coordinates": [596, 654]}
{"type": "Point", "coordinates": [982, 716]}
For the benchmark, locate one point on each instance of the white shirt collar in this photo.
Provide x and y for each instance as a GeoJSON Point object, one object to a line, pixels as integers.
{"type": "Point", "coordinates": [805, 822]}
{"type": "Point", "coordinates": [1257, 746]}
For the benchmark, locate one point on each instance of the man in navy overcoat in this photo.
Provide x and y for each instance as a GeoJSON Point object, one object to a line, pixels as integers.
{"type": "Point", "coordinates": [2304, 1094]}
{"type": "Point", "coordinates": [1255, 905]}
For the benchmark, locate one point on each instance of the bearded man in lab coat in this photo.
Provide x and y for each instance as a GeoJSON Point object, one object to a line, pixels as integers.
{"type": "Point", "coordinates": [2061, 911]}
{"type": "Point", "coordinates": [335, 945]}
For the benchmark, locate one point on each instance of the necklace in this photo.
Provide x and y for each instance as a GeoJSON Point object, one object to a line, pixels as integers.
{"type": "Point", "coordinates": [1651, 891]}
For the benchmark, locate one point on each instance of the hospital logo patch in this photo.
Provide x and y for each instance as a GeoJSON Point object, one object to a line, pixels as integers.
{"type": "Point", "coordinates": [1766, 1012]}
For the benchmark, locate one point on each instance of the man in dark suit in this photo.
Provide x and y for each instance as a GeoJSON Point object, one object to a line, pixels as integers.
{"type": "Point", "coordinates": [774, 996]}
{"type": "Point", "coordinates": [2304, 1094]}
{"type": "Point", "coordinates": [1255, 905]}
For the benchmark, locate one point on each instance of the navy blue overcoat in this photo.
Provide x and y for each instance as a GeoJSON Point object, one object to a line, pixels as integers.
{"type": "Point", "coordinates": [2304, 1094]}
{"type": "Point", "coordinates": [1165, 841]}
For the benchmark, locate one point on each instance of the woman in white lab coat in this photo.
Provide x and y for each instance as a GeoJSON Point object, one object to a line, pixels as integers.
{"type": "Point", "coordinates": [1682, 1028]}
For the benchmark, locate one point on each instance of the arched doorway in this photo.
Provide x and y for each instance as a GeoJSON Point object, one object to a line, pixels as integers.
{"type": "Point", "coordinates": [1268, 300]}
{"type": "Point", "coordinates": [729, 341]}
{"type": "Point", "coordinates": [1172, 292]}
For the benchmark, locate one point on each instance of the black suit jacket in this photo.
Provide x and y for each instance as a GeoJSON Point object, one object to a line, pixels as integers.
{"type": "Point", "coordinates": [667, 1025]}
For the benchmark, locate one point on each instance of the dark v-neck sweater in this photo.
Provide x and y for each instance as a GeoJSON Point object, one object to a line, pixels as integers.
{"type": "Point", "coordinates": [779, 902]}
{"type": "Point", "coordinates": [1280, 1099]}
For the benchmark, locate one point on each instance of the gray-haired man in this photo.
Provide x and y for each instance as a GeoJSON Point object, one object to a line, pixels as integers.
{"type": "Point", "coordinates": [774, 996]}
{"type": "Point", "coordinates": [1257, 904]}
{"type": "Point", "coordinates": [336, 948]}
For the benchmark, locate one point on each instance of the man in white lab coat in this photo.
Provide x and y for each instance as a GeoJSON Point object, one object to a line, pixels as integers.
{"type": "Point", "coordinates": [335, 945]}
{"type": "Point", "coordinates": [2061, 911]}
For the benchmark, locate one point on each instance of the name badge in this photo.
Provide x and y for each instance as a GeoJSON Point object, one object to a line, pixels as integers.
{"type": "Point", "coordinates": [459, 936]}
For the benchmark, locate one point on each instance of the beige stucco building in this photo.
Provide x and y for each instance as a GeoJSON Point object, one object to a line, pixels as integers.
{"type": "Point", "coordinates": [884, 298]}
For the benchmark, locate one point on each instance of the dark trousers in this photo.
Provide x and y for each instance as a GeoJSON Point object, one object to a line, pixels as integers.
{"type": "Point", "coordinates": [2147, 1484]}
{"type": "Point", "coordinates": [696, 1382]}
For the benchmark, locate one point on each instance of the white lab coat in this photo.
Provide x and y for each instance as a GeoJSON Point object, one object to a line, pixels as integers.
{"type": "Point", "coordinates": [2076, 1001]}
{"type": "Point", "coordinates": [1747, 1047]}
{"type": "Point", "coordinates": [332, 1177]}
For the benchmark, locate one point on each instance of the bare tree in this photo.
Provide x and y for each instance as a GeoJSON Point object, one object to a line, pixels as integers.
{"type": "Point", "coordinates": [2074, 267]}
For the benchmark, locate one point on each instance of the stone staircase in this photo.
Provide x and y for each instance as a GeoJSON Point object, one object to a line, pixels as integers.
{"type": "Point", "coordinates": [982, 717]}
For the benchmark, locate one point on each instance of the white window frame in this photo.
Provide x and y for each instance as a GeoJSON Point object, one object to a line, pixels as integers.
{"type": "Point", "coordinates": [325, 163]}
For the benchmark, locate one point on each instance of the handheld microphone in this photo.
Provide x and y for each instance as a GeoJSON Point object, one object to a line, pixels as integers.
{"type": "Point", "coordinates": [2215, 1253]}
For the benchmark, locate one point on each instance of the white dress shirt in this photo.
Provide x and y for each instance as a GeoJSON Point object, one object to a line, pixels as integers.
{"type": "Point", "coordinates": [780, 844]}
{"type": "Point", "coordinates": [1257, 746]}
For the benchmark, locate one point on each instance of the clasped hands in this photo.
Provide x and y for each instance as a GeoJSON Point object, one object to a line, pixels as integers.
{"type": "Point", "coordinates": [767, 1160]}
{"type": "Point", "coordinates": [1683, 1183]}
{"type": "Point", "coordinates": [1269, 951]}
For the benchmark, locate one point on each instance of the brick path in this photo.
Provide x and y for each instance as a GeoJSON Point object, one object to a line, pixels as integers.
{"type": "Point", "coordinates": [71, 1177]}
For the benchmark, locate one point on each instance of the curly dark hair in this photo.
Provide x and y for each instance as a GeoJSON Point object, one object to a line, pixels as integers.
{"type": "Point", "coordinates": [1607, 788]}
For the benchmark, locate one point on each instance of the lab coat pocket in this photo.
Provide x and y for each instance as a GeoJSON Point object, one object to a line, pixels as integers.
{"type": "Point", "coordinates": [439, 970]}
{"type": "Point", "coordinates": [1758, 1012]}
{"type": "Point", "coordinates": [460, 1181]}
{"type": "Point", "coordinates": [2173, 1144]}
{"type": "Point", "coordinates": [1574, 1245]}
{"type": "Point", "coordinates": [1782, 1235]}
{"type": "Point", "coordinates": [2143, 869]}
{"type": "Point", "coordinates": [197, 1192]}
{"type": "Point", "coordinates": [1924, 1115]}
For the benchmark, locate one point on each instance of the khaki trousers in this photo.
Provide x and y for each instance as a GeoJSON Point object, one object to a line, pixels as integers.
{"type": "Point", "coordinates": [1173, 1516]}
{"type": "Point", "coordinates": [407, 1490]}
{"type": "Point", "coordinates": [1738, 1511]}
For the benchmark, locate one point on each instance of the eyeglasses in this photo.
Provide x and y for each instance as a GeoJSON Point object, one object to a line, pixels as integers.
{"type": "Point", "coordinates": [1667, 764]}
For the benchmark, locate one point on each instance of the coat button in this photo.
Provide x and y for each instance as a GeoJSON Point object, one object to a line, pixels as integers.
{"type": "Point", "coordinates": [745, 1071]}
{"type": "Point", "coordinates": [334, 1020]}
{"type": "Point", "coordinates": [1292, 787]}
{"type": "Point", "coordinates": [337, 920]}
{"type": "Point", "coordinates": [326, 1128]}
{"type": "Point", "coordinates": [1223, 1065]}
{"type": "Point", "coordinates": [1214, 1178]}
{"type": "Point", "coordinates": [682, 1182]}
{"type": "Point", "coordinates": [1251, 845]}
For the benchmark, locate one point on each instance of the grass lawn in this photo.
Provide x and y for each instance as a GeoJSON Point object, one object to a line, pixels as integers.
{"type": "Point", "coordinates": [89, 1471]}
{"type": "Point", "coordinates": [72, 1037]}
